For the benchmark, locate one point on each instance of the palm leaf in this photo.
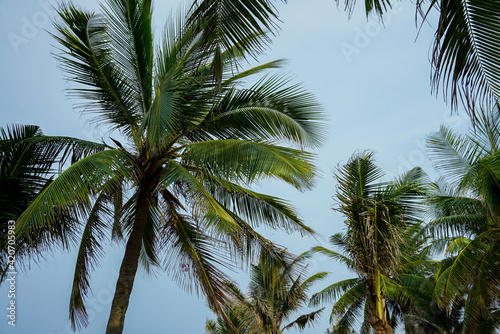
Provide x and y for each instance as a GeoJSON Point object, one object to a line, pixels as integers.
{"type": "Point", "coordinates": [73, 188]}
{"type": "Point", "coordinates": [129, 27]}
{"type": "Point", "coordinates": [465, 51]}
{"type": "Point", "coordinates": [90, 250]}
{"type": "Point", "coordinates": [270, 109]}
{"type": "Point", "coordinates": [189, 245]}
{"type": "Point", "coordinates": [259, 209]}
{"type": "Point", "coordinates": [249, 161]}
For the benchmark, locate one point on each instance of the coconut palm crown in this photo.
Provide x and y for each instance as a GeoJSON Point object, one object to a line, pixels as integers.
{"type": "Point", "coordinates": [377, 216]}
{"type": "Point", "coordinates": [276, 293]}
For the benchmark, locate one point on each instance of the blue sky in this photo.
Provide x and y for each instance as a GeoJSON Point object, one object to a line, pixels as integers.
{"type": "Point", "coordinates": [372, 80]}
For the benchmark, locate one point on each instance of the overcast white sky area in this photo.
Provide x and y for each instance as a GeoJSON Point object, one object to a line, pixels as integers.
{"type": "Point", "coordinates": [373, 82]}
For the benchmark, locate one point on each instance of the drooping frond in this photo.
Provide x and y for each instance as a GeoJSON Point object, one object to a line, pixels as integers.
{"type": "Point", "coordinates": [257, 208]}
{"type": "Point", "coordinates": [457, 276]}
{"type": "Point", "coordinates": [465, 54]}
{"type": "Point", "coordinates": [90, 250]}
{"type": "Point", "coordinates": [305, 319]}
{"type": "Point", "coordinates": [190, 246]}
{"type": "Point", "coordinates": [72, 190]}
{"type": "Point", "coordinates": [29, 161]}
{"type": "Point", "coordinates": [347, 308]}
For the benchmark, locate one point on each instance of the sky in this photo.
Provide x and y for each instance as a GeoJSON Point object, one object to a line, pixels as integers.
{"type": "Point", "coordinates": [372, 79]}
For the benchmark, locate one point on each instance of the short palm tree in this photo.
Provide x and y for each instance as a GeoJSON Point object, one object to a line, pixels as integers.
{"type": "Point", "coordinates": [175, 188]}
{"type": "Point", "coordinates": [276, 292]}
{"type": "Point", "coordinates": [377, 216]}
{"type": "Point", "coordinates": [466, 205]}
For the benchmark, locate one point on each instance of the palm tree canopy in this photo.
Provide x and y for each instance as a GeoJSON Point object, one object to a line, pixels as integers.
{"type": "Point", "coordinates": [385, 209]}
{"type": "Point", "coordinates": [276, 292]}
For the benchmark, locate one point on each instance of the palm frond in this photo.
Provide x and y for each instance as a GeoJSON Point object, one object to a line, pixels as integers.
{"type": "Point", "coordinates": [210, 205]}
{"type": "Point", "coordinates": [334, 256]}
{"type": "Point", "coordinates": [334, 291]}
{"type": "Point", "coordinates": [247, 162]}
{"type": "Point", "coordinates": [313, 279]}
{"type": "Point", "coordinates": [378, 7]}
{"type": "Point", "coordinates": [345, 315]}
{"type": "Point", "coordinates": [305, 319]}
{"type": "Point", "coordinates": [465, 52]}
{"type": "Point", "coordinates": [188, 245]}
{"type": "Point", "coordinates": [90, 250]}
{"type": "Point", "coordinates": [452, 155]}
{"type": "Point", "coordinates": [86, 58]}
{"type": "Point", "coordinates": [455, 278]}
{"type": "Point", "coordinates": [272, 109]}
{"type": "Point", "coordinates": [128, 25]}
{"type": "Point", "coordinates": [73, 188]}
{"type": "Point", "coordinates": [257, 208]}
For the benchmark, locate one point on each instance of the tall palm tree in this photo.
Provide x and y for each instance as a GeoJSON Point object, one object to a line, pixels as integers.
{"type": "Point", "coordinates": [28, 163]}
{"type": "Point", "coordinates": [276, 292]}
{"type": "Point", "coordinates": [175, 188]}
{"type": "Point", "coordinates": [466, 207]}
{"type": "Point", "coordinates": [377, 216]}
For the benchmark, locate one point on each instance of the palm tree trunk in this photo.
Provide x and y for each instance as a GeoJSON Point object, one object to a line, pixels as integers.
{"type": "Point", "coordinates": [379, 319]}
{"type": "Point", "coordinates": [129, 265]}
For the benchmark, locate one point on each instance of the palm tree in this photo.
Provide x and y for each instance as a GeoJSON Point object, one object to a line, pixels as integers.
{"type": "Point", "coordinates": [467, 219]}
{"type": "Point", "coordinates": [377, 216]}
{"type": "Point", "coordinates": [175, 188]}
{"type": "Point", "coordinates": [27, 165]}
{"type": "Point", "coordinates": [276, 292]}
